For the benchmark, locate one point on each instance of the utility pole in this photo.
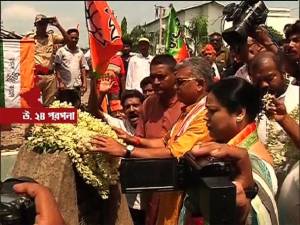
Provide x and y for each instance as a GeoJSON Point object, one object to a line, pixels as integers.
{"type": "Point", "coordinates": [160, 10]}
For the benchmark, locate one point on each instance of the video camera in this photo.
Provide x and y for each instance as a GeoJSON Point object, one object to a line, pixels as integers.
{"type": "Point", "coordinates": [206, 182]}
{"type": "Point", "coordinates": [245, 16]}
{"type": "Point", "coordinates": [15, 209]}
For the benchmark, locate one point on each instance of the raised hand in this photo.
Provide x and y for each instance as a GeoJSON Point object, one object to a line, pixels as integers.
{"type": "Point", "coordinates": [276, 110]}
{"type": "Point", "coordinates": [105, 84]}
{"type": "Point", "coordinates": [54, 22]}
{"type": "Point", "coordinates": [262, 35]}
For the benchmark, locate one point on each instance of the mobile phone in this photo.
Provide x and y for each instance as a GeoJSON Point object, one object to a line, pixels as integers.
{"type": "Point", "coordinates": [49, 19]}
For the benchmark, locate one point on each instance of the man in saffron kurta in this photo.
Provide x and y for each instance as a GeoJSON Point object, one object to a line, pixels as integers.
{"type": "Point", "coordinates": [179, 142]}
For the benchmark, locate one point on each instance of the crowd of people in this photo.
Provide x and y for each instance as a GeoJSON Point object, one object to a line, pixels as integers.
{"type": "Point", "coordinates": [240, 104]}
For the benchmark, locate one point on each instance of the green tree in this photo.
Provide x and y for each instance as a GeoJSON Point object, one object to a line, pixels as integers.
{"type": "Point", "coordinates": [124, 27]}
{"type": "Point", "coordinates": [197, 30]}
{"type": "Point", "coordinates": [275, 34]}
{"type": "Point", "coordinates": [138, 32]}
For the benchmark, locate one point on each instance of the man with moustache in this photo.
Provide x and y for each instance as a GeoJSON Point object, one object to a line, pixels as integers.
{"type": "Point", "coordinates": [159, 113]}
{"type": "Point", "coordinates": [131, 103]}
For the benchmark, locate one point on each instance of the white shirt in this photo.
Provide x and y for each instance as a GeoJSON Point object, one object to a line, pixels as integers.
{"type": "Point", "coordinates": [216, 71]}
{"type": "Point", "coordinates": [242, 72]}
{"type": "Point", "coordinates": [71, 62]}
{"type": "Point", "coordinates": [289, 198]}
{"type": "Point", "coordinates": [122, 124]}
{"type": "Point", "coordinates": [133, 200]}
{"type": "Point", "coordinates": [291, 100]}
{"type": "Point", "coordinates": [267, 129]}
{"type": "Point", "coordinates": [138, 69]}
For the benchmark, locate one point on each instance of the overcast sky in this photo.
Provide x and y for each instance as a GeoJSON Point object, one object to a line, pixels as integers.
{"type": "Point", "coordinates": [18, 16]}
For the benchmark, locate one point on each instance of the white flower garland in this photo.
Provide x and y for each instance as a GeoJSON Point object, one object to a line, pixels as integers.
{"type": "Point", "coordinates": [97, 169]}
{"type": "Point", "coordinates": [279, 143]}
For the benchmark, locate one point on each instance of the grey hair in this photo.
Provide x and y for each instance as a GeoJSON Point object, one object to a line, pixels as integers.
{"type": "Point", "coordinates": [201, 69]}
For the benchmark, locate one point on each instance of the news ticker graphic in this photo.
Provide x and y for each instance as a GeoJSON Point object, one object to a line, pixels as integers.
{"type": "Point", "coordinates": [38, 115]}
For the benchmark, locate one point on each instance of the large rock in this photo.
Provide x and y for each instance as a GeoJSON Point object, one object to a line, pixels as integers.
{"type": "Point", "coordinates": [78, 202]}
{"type": "Point", "coordinates": [54, 171]}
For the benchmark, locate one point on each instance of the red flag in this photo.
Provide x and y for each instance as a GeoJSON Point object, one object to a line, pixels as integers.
{"type": "Point", "coordinates": [104, 34]}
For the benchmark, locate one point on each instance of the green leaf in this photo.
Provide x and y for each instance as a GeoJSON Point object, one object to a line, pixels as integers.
{"type": "Point", "coordinates": [96, 75]}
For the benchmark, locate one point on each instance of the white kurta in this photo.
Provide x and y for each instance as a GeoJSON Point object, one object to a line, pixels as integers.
{"type": "Point", "coordinates": [138, 69]}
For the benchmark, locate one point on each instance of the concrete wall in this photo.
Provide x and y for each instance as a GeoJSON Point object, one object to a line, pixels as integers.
{"type": "Point", "coordinates": [211, 11]}
{"type": "Point", "coordinates": [278, 23]}
{"type": "Point", "coordinates": [215, 12]}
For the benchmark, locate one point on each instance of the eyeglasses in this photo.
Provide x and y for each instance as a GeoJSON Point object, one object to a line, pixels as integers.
{"type": "Point", "coordinates": [180, 81]}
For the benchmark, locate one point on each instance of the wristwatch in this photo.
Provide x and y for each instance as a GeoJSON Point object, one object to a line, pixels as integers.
{"type": "Point", "coordinates": [251, 192]}
{"type": "Point", "coordinates": [129, 149]}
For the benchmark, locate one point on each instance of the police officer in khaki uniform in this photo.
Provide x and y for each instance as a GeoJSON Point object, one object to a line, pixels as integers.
{"type": "Point", "coordinates": [45, 42]}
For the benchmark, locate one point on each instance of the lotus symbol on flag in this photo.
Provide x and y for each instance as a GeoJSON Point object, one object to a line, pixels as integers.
{"type": "Point", "coordinates": [95, 24]}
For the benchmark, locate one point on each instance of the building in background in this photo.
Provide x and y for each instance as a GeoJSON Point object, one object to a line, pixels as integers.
{"type": "Point", "coordinates": [213, 11]}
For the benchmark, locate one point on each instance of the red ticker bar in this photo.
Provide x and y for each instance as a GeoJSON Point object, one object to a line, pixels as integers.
{"type": "Point", "coordinates": [38, 115]}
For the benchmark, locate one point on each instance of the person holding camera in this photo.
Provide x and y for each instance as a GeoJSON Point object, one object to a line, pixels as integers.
{"type": "Point", "coordinates": [44, 55]}
{"type": "Point", "coordinates": [47, 211]}
{"type": "Point", "coordinates": [258, 42]}
{"type": "Point", "coordinates": [232, 106]}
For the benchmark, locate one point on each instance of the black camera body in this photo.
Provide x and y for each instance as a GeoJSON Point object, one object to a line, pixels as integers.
{"type": "Point", "coordinates": [207, 183]}
{"type": "Point", "coordinates": [245, 16]}
{"type": "Point", "coordinates": [15, 209]}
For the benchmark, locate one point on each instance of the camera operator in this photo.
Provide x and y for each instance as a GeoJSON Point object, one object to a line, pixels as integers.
{"type": "Point", "coordinates": [248, 34]}
{"type": "Point", "coordinates": [47, 212]}
{"type": "Point", "coordinates": [258, 42]}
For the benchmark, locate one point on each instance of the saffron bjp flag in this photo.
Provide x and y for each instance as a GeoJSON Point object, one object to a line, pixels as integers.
{"type": "Point", "coordinates": [104, 34]}
{"type": "Point", "coordinates": [17, 80]}
{"type": "Point", "coordinates": [175, 43]}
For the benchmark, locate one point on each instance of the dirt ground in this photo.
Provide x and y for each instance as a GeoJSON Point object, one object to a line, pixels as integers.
{"type": "Point", "coordinates": [13, 138]}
